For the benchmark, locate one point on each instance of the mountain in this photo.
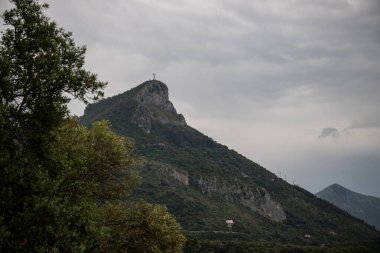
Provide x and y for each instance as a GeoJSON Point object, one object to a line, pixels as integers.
{"type": "Point", "coordinates": [361, 206]}
{"type": "Point", "coordinates": [204, 183]}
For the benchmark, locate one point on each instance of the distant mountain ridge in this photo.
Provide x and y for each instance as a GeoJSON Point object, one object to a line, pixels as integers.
{"type": "Point", "coordinates": [203, 183]}
{"type": "Point", "coordinates": [359, 205]}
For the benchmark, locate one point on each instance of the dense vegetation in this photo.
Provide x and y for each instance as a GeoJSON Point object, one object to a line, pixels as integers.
{"type": "Point", "coordinates": [207, 246]}
{"type": "Point", "coordinates": [63, 187]}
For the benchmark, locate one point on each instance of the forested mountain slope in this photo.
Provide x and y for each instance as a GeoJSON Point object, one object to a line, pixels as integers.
{"type": "Point", "coordinates": [204, 183]}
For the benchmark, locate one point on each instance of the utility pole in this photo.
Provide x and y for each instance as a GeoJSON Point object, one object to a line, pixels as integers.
{"type": "Point", "coordinates": [154, 76]}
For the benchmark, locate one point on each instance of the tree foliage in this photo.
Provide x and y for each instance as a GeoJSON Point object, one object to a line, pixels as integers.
{"type": "Point", "coordinates": [59, 181]}
{"type": "Point", "coordinates": [82, 171]}
{"type": "Point", "coordinates": [142, 227]}
{"type": "Point", "coordinates": [96, 157]}
{"type": "Point", "coordinates": [41, 67]}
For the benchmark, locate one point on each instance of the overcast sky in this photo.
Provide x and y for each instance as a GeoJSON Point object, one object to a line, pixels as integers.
{"type": "Point", "coordinates": [293, 84]}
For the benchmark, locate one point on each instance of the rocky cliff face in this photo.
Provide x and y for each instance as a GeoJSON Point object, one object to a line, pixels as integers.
{"type": "Point", "coordinates": [181, 176]}
{"type": "Point", "coordinates": [143, 106]}
{"type": "Point", "coordinates": [154, 106]}
{"type": "Point", "coordinates": [155, 93]}
{"type": "Point", "coordinates": [257, 199]}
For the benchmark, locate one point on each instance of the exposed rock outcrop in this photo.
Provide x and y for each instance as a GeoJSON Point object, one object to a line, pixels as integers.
{"type": "Point", "coordinates": [181, 176]}
{"type": "Point", "coordinates": [257, 199]}
{"type": "Point", "coordinates": [154, 106]}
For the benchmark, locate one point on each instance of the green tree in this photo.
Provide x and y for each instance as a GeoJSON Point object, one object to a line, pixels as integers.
{"type": "Point", "coordinates": [97, 170]}
{"type": "Point", "coordinates": [83, 171]}
{"type": "Point", "coordinates": [95, 174]}
{"type": "Point", "coordinates": [143, 227]}
{"type": "Point", "coordinates": [40, 68]}
{"type": "Point", "coordinates": [58, 180]}
{"type": "Point", "coordinates": [96, 157]}
{"type": "Point", "coordinates": [192, 245]}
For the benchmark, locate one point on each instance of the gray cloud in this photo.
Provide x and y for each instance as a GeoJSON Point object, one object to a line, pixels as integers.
{"type": "Point", "coordinates": [263, 77]}
{"type": "Point", "coordinates": [329, 132]}
{"type": "Point", "coordinates": [373, 122]}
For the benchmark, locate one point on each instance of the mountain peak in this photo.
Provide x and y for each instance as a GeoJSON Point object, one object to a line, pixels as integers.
{"type": "Point", "coordinates": [154, 106]}
{"type": "Point", "coordinates": [333, 190]}
{"type": "Point", "coordinates": [154, 92]}
{"type": "Point", "coordinates": [144, 105]}
{"type": "Point", "coordinates": [335, 185]}
{"type": "Point", "coordinates": [364, 207]}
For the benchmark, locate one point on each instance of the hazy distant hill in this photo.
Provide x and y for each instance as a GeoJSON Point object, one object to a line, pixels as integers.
{"type": "Point", "coordinates": [204, 183]}
{"type": "Point", "coordinates": [362, 206]}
